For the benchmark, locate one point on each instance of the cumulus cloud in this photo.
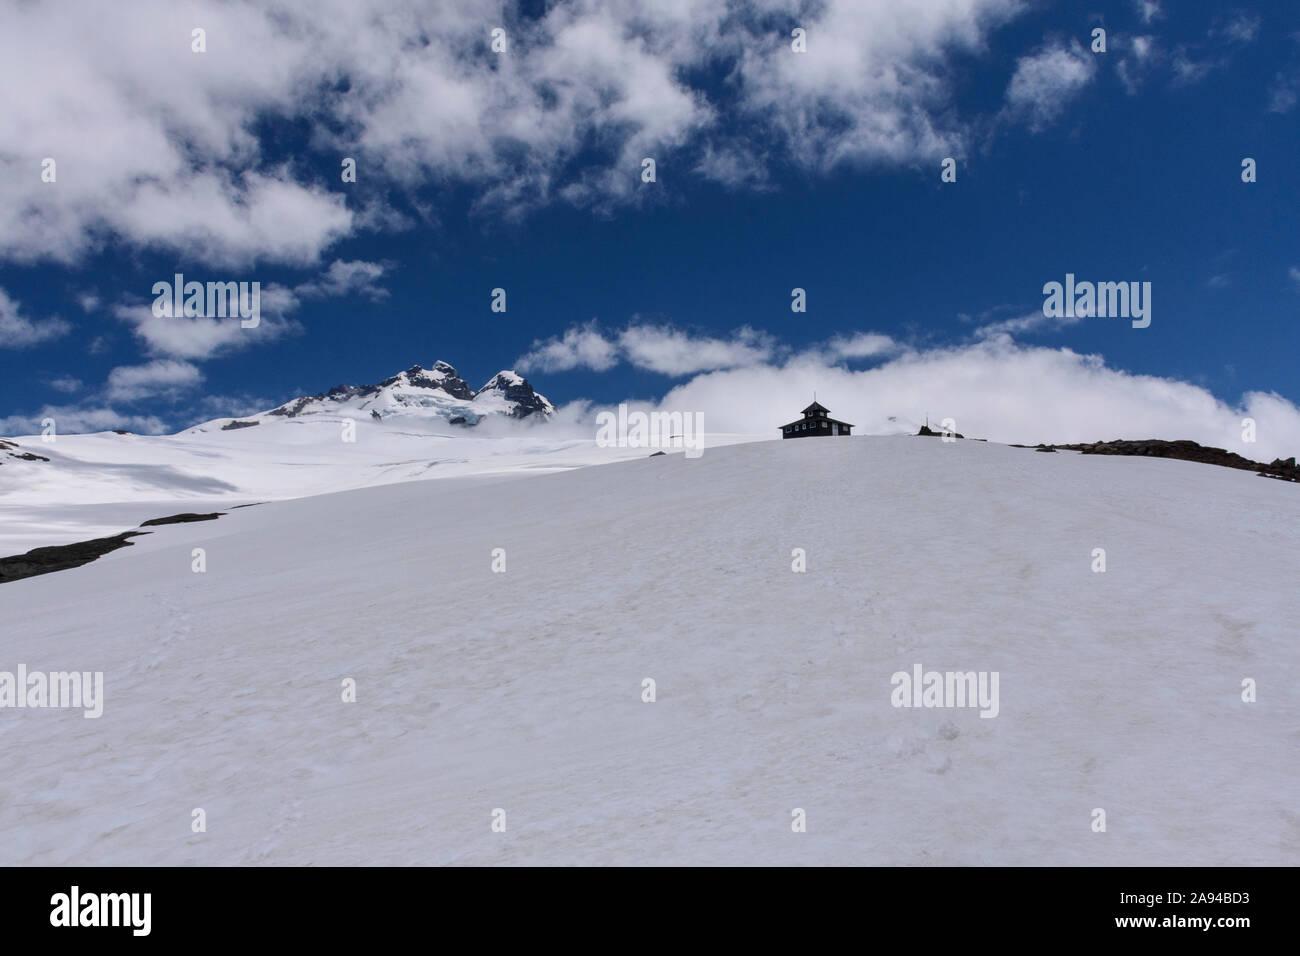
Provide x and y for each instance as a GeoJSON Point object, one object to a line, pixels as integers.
{"type": "Point", "coordinates": [861, 345]}
{"type": "Point", "coordinates": [70, 419]}
{"type": "Point", "coordinates": [995, 389]}
{"type": "Point", "coordinates": [161, 377]}
{"type": "Point", "coordinates": [578, 347]}
{"type": "Point", "coordinates": [670, 351]}
{"type": "Point", "coordinates": [870, 88]}
{"type": "Point", "coordinates": [172, 163]}
{"type": "Point", "coordinates": [655, 348]}
{"type": "Point", "coordinates": [19, 332]}
{"type": "Point", "coordinates": [1046, 81]}
{"type": "Point", "coordinates": [584, 91]}
{"type": "Point", "coordinates": [199, 337]}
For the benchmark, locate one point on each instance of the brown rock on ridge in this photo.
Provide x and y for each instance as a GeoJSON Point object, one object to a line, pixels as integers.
{"type": "Point", "coordinates": [181, 518]}
{"type": "Point", "coordinates": [1184, 450]}
{"type": "Point", "coordinates": [929, 432]}
{"type": "Point", "coordinates": [61, 557]}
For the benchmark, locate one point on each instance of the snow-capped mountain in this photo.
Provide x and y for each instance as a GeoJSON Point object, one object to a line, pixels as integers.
{"type": "Point", "coordinates": [434, 393]}
{"type": "Point", "coordinates": [416, 425]}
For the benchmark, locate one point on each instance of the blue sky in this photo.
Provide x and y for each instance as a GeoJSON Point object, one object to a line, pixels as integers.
{"type": "Point", "coordinates": [775, 170]}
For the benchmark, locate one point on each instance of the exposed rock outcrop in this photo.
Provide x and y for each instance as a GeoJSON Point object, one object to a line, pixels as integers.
{"type": "Point", "coordinates": [1184, 450]}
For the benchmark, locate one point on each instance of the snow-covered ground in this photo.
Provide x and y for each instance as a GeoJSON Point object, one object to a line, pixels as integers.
{"type": "Point", "coordinates": [105, 483]}
{"type": "Point", "coordinates": [417, 424]}
{"type": "Point", "coordinates": [522, 690]}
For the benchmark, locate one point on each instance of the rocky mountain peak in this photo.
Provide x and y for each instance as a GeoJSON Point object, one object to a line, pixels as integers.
{"type": "Point", "coordinates": [437, 392]}
{"type": "Point", "coordinates": [517, 393]}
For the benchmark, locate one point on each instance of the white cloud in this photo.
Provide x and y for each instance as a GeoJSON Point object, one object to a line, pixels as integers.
{"type": "Point", "coordinates": [197, 338]}
{"type": "Point", "coordinates": [234, 219]}
{"type": "Point", "coordinates": [152, 141]}
{"type": "Point", "coordinates": [1188, 70]}
{"type": "Point", "coordinates": [200, 337]}
{"type": "Point", "coordinates": [583, 93]}
{"type": "Point", "coordinates": [670, 351]}
{"type": "Point", "coordinates": [1241, 28]}
{"type": "Point", "coordinates": [1282, 94]}
{"type": "Point", "coordinates": [655, 348]}
{"type": "Point", "coordinates": [1029, 324]}
{"type": "Point", "coordinates": [997, 390]}
{"type": "Point", "coordinates": [228, 406]}
{"type": "Point", "coordinates": [579, 347]}
{"type": "Point", "coordinates": [1294, 273]}
{"type": "Point", "coordinates": [19, 332]}
{"type": "Point", "coordinates": [735, 165]}
{"type": "Point", "coordinates": [161, 377]}
{"type": "Point", "coordinates": [69, 419]}
{"type": "Point", "coordinates": [1045, 82]}
{"type": "Point", "coordinates": [1138, 56]}
{"type": "Point", "coordinates": [65, 383]}
{"type": "Point", "coordinates": [871, 87]}
{"type": "Point", "coordinates": [203, 338]}
{"type": "Point", "coordinates": [1148, 10]}
{"type": "Point", "coordinates": [861, 345]}
{"type": "Point", "coordinates": [354, 277]}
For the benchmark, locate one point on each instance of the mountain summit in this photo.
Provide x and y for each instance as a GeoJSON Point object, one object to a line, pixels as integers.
{"type": "Point", "coordinates": [437, 392]}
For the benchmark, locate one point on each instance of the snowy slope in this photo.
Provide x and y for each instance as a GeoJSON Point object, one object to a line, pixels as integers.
{"type": "Point", "coordinates": [414, 425]}
{"type": "Point", "coordinates": [522, 690]}
{"type": "Point", "coordinates": [92, 483]}
{"type": "Point", "coordinates": [101, 484]}
{"type": "Point", "coordinates": [419, 423]}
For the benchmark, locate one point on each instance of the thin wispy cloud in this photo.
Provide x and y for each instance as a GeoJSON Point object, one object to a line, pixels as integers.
{"type": "Point", "coordinates": [17, 331]}
{"type": "Point", "coordinates": [1031, 323]}
{"type": "Point", "coordinates": [860, 345]}
{"type": "Point", "coordinates": [1044, 83]}
{"type": "Point", "coordinates": [66, 383]}
{"type": "Point", "coordinates": [1148, 11]}
{"type": "Point", "coordinates": [345, 278]}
